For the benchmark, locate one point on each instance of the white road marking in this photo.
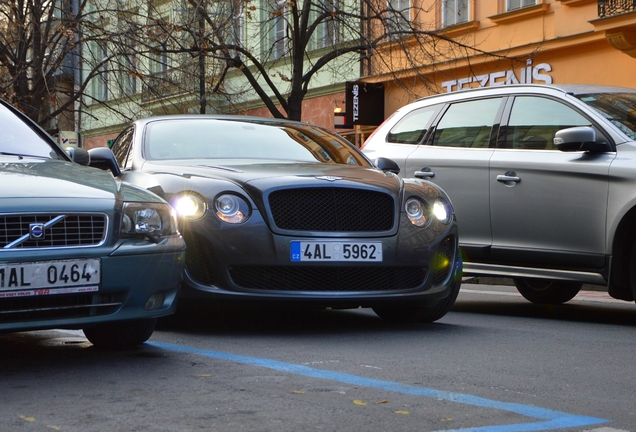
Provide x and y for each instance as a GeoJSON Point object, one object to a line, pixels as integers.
{"type": "Point", "coordinates": [605, 429]}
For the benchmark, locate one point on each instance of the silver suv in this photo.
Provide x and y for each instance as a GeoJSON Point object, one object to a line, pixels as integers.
{"type": "Point", "coordinates": [542, 178]}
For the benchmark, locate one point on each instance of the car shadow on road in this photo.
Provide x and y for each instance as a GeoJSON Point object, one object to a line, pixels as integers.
{"type": "Point", "coordinates": [225, 320]}
{"type": "Point", "coordinates": [598, 313]}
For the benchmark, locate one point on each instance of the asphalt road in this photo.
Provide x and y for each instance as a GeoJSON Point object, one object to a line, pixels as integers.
{"type": "Point", "coordinates": [494, 363]}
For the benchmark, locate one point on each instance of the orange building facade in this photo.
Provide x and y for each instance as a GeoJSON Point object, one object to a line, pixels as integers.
{"type": "Point", "coordinates": [549, 41]}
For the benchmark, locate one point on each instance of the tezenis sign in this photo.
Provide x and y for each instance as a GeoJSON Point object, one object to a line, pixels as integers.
{"type": "Point", "coordinates": [364, 103]}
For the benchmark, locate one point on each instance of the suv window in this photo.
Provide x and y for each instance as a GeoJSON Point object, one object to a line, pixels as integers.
{"type": "Point", "coordinates": [467, 124]}
{"type": "Point", "coordinates": [619, 108]}
{"type": "Point", "coordinates": [412, 128]}
{"type": "Point", "coordinates": [534, 121]}
{"type": "Point", "coordinates": [122, 146]}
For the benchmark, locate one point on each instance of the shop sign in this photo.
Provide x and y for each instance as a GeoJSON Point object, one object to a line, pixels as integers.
{"type": "Point", "coordinates": [364, 103]}
{"type": "Point", "coordinates": [526, 75]}
{"type": "Point", "coordinates": [69, 139]}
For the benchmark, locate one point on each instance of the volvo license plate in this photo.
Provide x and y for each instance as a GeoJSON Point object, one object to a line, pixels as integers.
{"type": "Point", "coordinates": [50, 277]}
{"type": "Point", "coordinates": [336, 251]}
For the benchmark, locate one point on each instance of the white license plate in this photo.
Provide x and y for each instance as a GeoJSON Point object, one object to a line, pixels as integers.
{"type": "Point", "coordinates": [45, 275]}
{"type": "Point", "coordinates": [336, 251]}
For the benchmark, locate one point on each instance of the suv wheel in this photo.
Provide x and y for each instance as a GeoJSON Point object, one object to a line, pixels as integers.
{"type": "Point", "coordinates": [546, 291]}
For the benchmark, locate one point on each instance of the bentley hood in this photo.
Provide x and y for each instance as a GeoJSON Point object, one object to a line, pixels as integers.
{"type": "Point", "coordinates": [264, 176]}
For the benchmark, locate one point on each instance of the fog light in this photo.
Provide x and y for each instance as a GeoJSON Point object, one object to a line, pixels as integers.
{"type": "Point", "coordinates": [154, 302]}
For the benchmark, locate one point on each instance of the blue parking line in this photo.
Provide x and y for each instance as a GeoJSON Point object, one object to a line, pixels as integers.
{"type": "Point", "coordinates": [549, 419]}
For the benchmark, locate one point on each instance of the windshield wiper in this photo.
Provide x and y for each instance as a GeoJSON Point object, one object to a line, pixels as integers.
{"type": "Point", "coordinates": [21, 156]}
{"type": "Point", "coordinates": [12, 154]}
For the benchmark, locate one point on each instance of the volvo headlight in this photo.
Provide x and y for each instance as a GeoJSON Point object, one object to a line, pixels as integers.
{"type": "Point", "coordinates": [442, 210]}
{"type": "Point", "coordinates": [231, 208]}
{"type": "Point", "coordinates": [189, 205]}
{"type": "Point", "coordinates": [416, 210]}
{"type": "Point", "coordinates": [150, 220]}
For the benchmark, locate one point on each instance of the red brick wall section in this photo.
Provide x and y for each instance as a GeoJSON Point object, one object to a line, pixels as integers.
{"type": "Point", "coordinates": [318, 111]}
{"type": "Point", "coordinates": [98, 141]}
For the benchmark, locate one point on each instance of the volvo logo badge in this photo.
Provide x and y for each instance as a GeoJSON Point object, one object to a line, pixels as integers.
{"type": "Point", "coordinates": [329, 178]}
{"type": "Point", "coordinates": [36, 231]}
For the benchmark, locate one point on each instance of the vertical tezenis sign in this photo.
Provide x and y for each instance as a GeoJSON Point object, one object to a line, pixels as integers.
{"type": "Point", "coordinates": [364, 103]}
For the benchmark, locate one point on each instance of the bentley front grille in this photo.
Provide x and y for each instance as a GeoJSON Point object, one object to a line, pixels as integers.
{"type": "Point", "coordinates": [51, 230]}
{"type": "Point", "coordinates": [332, 210]}
{"type": "Point", "coordinates": [328, 279]}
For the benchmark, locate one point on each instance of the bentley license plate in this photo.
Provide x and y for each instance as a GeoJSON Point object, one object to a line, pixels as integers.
{"type": "Point", "coordinates": [50, 277]}
{"type": "Point", "coordinates": [336, 251]}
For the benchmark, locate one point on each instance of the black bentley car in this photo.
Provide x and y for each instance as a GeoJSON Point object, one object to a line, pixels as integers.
{"type": "Point", "coordinates": [276, 210]}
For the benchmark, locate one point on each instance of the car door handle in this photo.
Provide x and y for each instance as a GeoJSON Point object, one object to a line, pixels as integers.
{"type": "Point", "coordinates": [424, 174]}
{"type": "Point", "coordinates": [508, 177]}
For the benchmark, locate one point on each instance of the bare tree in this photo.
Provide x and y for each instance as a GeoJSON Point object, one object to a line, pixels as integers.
{"type": "Point", "coordinates": [130, 58]}
{"type": "Point", "coordinates": [59, 56]}
{"type": "Point", "coordinates": [287, 44]}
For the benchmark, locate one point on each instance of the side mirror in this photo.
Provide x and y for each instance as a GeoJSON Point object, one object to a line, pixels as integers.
{"type": "Point", "coordinates": [386, 164]}
{"type": "Point", "coordinates": [581, 138]}
{"type": "Point", "coordinates": [103, 158]}
{"type": "Point", "coordinates": [78, 155]}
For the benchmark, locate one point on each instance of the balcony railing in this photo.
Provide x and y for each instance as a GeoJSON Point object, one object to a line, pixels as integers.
{"type": "Point", "coordinates": [608, 8]}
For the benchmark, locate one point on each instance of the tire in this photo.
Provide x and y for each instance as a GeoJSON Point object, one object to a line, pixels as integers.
{"type": "Point", "coordinates": [421, 312]}
{"type": "Point", "coordinates": [546, 291]}
{"type": "Point", "coordinates": [632, 270]}
{"type": "Point", "coordinates": [121, 334]}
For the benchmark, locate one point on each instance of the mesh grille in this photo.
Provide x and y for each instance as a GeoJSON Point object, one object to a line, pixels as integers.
{"type": "Point", "coordinates": [58, 306]}
{"type": "Point", "coordinates": [70, 230]}
{"type": "Point", "coordinates": [443, 260]}
{"type": "Point", "coordinates": [332, 209]}
{"type": "Point", "coordinates": [328, 279]}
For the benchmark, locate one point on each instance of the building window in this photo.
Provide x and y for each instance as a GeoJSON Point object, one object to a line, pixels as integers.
{"type": "Point", "coordinates": [398, 17]}
{"type": "Point", "coordinates": [160, 61]}
{"type": "Point", "coordinates": [454, 12]}
{"type": "Point", "coordinates": [329, 29]}
{"type": "Point", "coordinates": [279, 47]}
{"type": "Point", "coordinates": [518, 4]}
{"type": "Point", "coordinates": [129, 73]}
{"type": "Point", "coordinates": [232, 22]}
{"type": "Point", "coordinates": [238, 25]}
{"type": "Point", "coordinates": [100, 82]}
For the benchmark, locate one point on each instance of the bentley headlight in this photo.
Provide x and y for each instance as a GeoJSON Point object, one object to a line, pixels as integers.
{"type": "Point", "coordinates": [189, 205]}
{"type": "Point", "coordinates": [442, 210]}
{"type": "Point", "coordinates": [151, 220]}
{"type": "Point", "coordinates": [416, 211]}
{"type": "Point", "coordinates": [231, 208]}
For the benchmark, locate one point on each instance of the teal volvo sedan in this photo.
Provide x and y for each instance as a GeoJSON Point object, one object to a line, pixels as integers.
{"type": "Point", "coordinates": [78, 248]}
